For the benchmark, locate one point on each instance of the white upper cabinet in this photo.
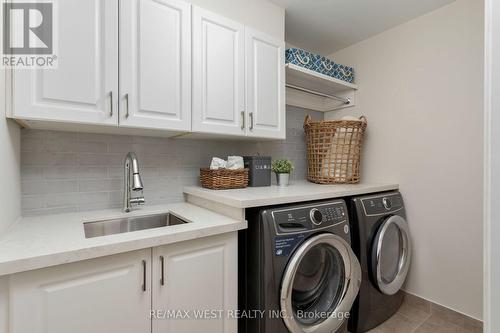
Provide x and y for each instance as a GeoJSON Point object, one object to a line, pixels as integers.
{"type": "Point", "coordinates": [109, 294]}
{"type": "Point", "coordinates": [155, 64]}
{"type": "Point", "coordinates": [84, 87]}
{"type": "Point", "coordinates": [218, 74]}
{"type": "Point", "coordinates": [265, 85]}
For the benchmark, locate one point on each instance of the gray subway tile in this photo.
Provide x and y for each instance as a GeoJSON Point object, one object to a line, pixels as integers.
{"type": "Point", "coordinates": [31, 173]}
{"type": "Point", "coordinates": [99, 185]}
{"type": "Point", "coordinates": [105, 138]}
{"type": "Point", "coordinates": [100, 159]}
{"type": "Point", "coordinates": [92, 172]}
{"type": "Point", "coordinates": [49, 211]}
{"type": "Point", "coordinates": [48, 159]}
{"type": "Point", "coordinates": [49, 186]}
{"type": "Point", "coordinates": [61, 200]}
{"type": "Point", "coordinates": [60, 172]}
{"type": "Point", "coordinates": [32, 202]}
{"type": "Point", "coordinates": [92, 147]}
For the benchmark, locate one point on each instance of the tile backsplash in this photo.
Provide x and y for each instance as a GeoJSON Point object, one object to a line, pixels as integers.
{"type": "Point", "coordinates": [66, 171]}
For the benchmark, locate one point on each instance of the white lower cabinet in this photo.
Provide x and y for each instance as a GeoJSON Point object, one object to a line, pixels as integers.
{"type": "Point", "coordinates": [199, 279]}
{"type": "Point", "coordinates": [103, 295]}
{"type": "Point", "coordinates": [124, 293]}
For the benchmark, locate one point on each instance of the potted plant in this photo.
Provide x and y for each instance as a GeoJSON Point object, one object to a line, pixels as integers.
{"type": "Point", "coordinates": [282, 169]}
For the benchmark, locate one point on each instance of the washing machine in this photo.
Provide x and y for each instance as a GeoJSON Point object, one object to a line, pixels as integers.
{"type": "Point", "coordinates": [298, 272]}
{"type": "Point", "coordinates": [381, 240]}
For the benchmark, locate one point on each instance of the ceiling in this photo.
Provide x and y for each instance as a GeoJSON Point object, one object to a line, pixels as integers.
{"type": "Point", "coordinates": [325, 26]}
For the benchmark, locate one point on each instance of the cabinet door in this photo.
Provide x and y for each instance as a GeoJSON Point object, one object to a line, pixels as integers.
{"type": "Point", "coordinates": [103, 295]}
{"type": "Point", "coordinates": [155, 64]}
{"type": "Point", "coordinates": [218, 74]}
{"type": "Point", "coordinates": [197, 275]}
{"type": "Point", "coordinates": [84, 86]}
{"type": "Point", "coordinates": [265, 85]}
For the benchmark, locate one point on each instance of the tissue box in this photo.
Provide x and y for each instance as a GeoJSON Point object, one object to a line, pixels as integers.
{"type": "Point", "coordinates": [320, 64]}
{"type": "Point", "coordinates": [259, 170]}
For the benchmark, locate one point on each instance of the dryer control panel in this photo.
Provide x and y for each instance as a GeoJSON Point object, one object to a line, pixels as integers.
{"type": "Point", "coordinates": [383, 204]}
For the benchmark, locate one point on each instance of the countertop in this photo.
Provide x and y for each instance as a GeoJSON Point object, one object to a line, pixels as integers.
{"type": "Point", "coordinates": [43, 241]}
{"type": "Point", "coordinates": [274, 195]}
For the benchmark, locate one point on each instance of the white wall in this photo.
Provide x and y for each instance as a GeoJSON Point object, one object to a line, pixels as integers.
{"type": "Point", "coordinates": [492, 168]}
{"type": "Point", "coordinates": [10, 179]}
{"type": "Point", "coordinates": [259, 14]}
{"type": "Point", "coordinates": [421, 88]}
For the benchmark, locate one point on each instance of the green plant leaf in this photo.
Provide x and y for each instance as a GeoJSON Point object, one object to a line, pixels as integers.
{"type": "Point", "coordinates": [282, 166]}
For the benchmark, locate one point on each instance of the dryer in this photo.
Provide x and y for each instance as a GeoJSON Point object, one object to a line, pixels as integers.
{"type": "Point", "coordinates": [298, 272]}
{"type": "Point", "coordinates": [381, 240]}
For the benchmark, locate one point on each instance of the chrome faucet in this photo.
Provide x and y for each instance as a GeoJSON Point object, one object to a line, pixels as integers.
{"type": "Point", "coordinates": [132, 182]}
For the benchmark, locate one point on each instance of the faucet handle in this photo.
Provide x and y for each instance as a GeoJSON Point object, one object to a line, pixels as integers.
{"type": "Point", "coordinates": [137, 201]}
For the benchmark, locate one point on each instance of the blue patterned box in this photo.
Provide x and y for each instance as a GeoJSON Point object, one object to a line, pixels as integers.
{"type": "Point", "coordinates": [320, 64]}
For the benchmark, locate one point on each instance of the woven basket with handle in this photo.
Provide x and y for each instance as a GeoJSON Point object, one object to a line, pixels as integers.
{"type": "Point", "coordinates": [223, 179]}
{"type": "Point", "coordinates": [334, 150]}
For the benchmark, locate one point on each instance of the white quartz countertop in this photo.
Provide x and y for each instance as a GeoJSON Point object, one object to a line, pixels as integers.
{"type": "Point", "coordinates": [42, 241]}
{"type": "Point", "coordinates": [274, 195]}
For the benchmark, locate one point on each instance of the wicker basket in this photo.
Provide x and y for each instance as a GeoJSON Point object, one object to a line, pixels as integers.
{"type": "Point", "coordinates": [223, 179]}
{"type": "Point", "coordinates": [334, 150]}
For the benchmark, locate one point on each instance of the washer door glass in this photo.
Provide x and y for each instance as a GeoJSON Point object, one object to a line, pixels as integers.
{"type": "Point", "coordinates": [391, 255]}
{"type": "Point", "coordinates": [320, 284]}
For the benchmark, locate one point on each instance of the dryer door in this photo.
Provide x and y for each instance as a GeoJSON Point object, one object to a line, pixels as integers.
{"type": "Point", "coordinates": [320, 284]}
{"type": "Point", "coordinates": [391, 254]}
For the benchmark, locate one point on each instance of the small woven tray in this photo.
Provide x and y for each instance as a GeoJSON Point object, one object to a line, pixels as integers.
{"type": "Point", "coordinates": [223, 179]}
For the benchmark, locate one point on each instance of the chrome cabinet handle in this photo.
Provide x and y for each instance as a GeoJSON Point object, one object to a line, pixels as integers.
{"type": "Point", "coordinates": [242, 120]}
{"type": "Point", "coordinates": [111, 108]}
{"type": "Point", "coordinates": [162, 278]}
{"type": "Point", "coordinates": [251, 120]}
{"type": "Point", "coordinates": [144, 275]}
{"type": "Point", "coordinates": [126, 106]}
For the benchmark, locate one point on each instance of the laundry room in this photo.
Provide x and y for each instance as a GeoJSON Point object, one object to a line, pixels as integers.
{"type": "Point", "coordinates": [249, 166]}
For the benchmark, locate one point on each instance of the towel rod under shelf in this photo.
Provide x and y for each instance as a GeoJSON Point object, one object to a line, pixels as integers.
{"type": "Point", "coordinates": [342, 99]}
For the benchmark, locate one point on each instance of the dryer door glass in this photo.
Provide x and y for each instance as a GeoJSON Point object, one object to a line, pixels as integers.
{"type": "Point", "coordinates": [320, 284]}
{"type": "Point", "coordinates": [391, 255]}
{"type": "Point", "coordinates": [391, 251]}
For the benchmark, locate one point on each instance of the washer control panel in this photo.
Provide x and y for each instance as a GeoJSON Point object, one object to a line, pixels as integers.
{"type": "Point", "coordinates": [309, 217]}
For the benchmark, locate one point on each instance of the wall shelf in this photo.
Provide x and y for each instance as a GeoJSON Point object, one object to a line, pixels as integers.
{"type": "Point", "coordinates": [318, 92]}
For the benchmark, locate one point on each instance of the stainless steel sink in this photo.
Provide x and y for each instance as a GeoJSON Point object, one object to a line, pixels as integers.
{"type": "Point", "coordinates": [128, 224]}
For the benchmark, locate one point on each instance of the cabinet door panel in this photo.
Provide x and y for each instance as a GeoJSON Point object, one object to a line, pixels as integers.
{"type": "Point", "coordinates": [80, 89]}
{"type": "Point", "coordinates": [265, 88]}
{"type": "Point", "coordinates": [155, 67]}
{"type": "Point", "coordinates": [198, 275]}
{"type": "Point", "coordinates": [218, 74]}
{"type": "Point", "coordinates": [101, 296]}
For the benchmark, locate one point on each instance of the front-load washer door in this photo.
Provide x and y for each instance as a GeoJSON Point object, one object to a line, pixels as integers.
{"type": "Point", "coordinates": [320, 284]}
{"type": "Point", "coordinates": [391, 254]}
